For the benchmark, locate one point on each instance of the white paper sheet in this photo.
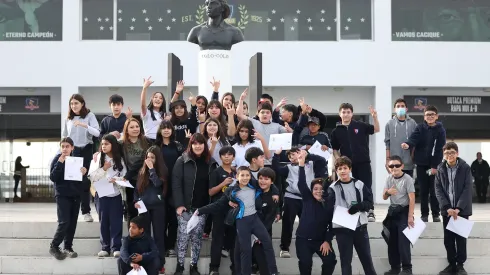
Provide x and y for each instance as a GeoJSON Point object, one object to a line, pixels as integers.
{"type": "Point", "coordinates": [192, 223]}
{"type": "Point", "coordinates": [278, 141]}
{"type": "Point", "coordinates": [93, 166]}
{"type": "Point", "coordinates": [124, 183]}
{"type": "Point", "coordinates": [142, 208]}
{"type": "Point", "coordinates": [460, 226]}
{"type": "Point", "coordinates": [104, 188]}
{"type": "Point", "coordinates": [72, 168]}
{"type": "Point", "coordinates": [413, 234]}
{"type": "Point", "coordinates": [316, 149]}
{"type": "Point", "coordinates": [142, 271]}
{"type": "Point", "coordinates": [342, 217]}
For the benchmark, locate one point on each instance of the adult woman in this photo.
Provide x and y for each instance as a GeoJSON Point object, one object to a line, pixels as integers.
{"type": "Point", "coordinates": [154, 113]}
{"type": "Point", "coordinates": [18, 173]}
{"type": "Point", "coordinates": [216, 139]}
{"type": "Point", "coordinates": [190, 184]}
{"type": "Point", "coordinates": [246, 137]}
{"type": "Point", "coordinates": [81, 126]}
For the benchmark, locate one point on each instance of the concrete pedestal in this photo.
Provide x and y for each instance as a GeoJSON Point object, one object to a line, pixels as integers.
{"type": "Point", "coordinates": [217, 64]}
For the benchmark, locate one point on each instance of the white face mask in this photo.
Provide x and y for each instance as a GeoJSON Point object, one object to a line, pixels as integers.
{"type": "Point", "coordinates": [400, 111]}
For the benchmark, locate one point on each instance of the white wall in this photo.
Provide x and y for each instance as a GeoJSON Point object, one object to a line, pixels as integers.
{"type": "Point", "coordinates": [54, 93]}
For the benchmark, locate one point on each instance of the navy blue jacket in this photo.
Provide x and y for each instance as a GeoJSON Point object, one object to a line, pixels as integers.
{"type": "Point", "coordinates": [143, 245]}
{"type": "Point", "coordinates": [111, 124]}
{"type": "Point", "coordinates": [314, 223]}
{"type": "Point", "coordinates": [428, 142]}
{"type": "Point", "coordinates": [353, 141]}
{"type": "Point", "coordinates": [154, 194]}
{"type": "Point", "coordinates": [62, 187]}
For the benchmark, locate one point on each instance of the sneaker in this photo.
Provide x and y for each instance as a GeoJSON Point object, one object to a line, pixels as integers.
{"type": "Point", "coordinates": [392, 271]}
{"type": "Point", "coordinates": [425, 218]}
{"type": "Point", "coordinates": [461, 270]}
{"type": "Point", "coordinates": [449, 270]}
{"type": "Point", "coordinates": [436, 218]}
{"type": "Point", "coordinates": [205, 236]}
{"type": "Point", "coordinates": [179, 270]}
{"type": "Point", "coordinates": [56, 252]}
{"type": "Point", "coordinates": [406, 272]}
{"type": "Point", "coordinates": [103, 253]}
{"type": "Point", "coordinates": [224, 253]}
{"type": "Point", "coordinates": [371, 216]}
{"type": "Point", "coordinates": [172, 253]}
{"type": "Point", "coordinates": [162, 271]}
{"type": "Point", "coordinates": [116, 254]}
{"type": "Point", "coordinates": [70, 253]}
{"type": "Point", "coordinates": [193, 270]}
{"type": "Point", "coordinates": [284, 254]}
{"type": "Point", "coordinates": [214, 273]}
{"type": "Point", "coordinates": [88, 218]}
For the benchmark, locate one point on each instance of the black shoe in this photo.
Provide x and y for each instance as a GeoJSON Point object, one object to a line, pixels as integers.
{"type": "Point", "coordinates": [406, 272]}
{"type": "Point", "coordinates": [425, 218]}
{"type": "Point", "coordinates": [436, 218]}
{"type": "Point", "coordinates": [461, 270]}
{"type": "Point", "coordinates": [193, 270]}
{"type": "Point", "coordinates": [449, 270]}
{"type": "Point", "coordinates": [57, 253]}
{"type": "Point", "coordinates": [392, 271]}
{"type": "Point", "coordinates": [179, 270]}
{"type": "Point", "coordinates": [70, 253]}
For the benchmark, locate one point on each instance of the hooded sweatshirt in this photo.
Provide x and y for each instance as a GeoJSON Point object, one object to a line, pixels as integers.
{"type": "Point", "coordinates": [110, 124]}
{"type": "Point", "coordinates": [396, 133]}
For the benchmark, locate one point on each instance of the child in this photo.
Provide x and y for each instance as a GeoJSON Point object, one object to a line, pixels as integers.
{"type": "Point", "coordinates": [314, 135]}
{"type": "Point", "coordinates": [151, 189]}
{"type": "Point", "coordinates": [400, 189]}
{"type": "Point", "coordinates": [114, 124]}
{"type": "Point", "coordinates": [255, 157]}
{"type": "Point", "coordinates": [108, 168]}
{"type": "Point", "coordinates": [138, 250]}
{"type": "Point", "coordinates": [67, 194]}
{"type": "Point", "coordinates": [292, 206]}
{"type": "Point", "coordinates": [357, 197]}
{"type": "Point", "coordinates": [247, 195]}
{"type": "Point", "coordinates": [428, 138]}
{"type": "Point", "coordinates": [314, 231]}
{"type": "Point", "coordinates": [453, 184]}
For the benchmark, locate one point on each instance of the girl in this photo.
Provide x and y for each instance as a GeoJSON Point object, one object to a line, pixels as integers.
{"type": "Point", "coordinates": [182, 120]}
{"type": "Point", "coordinates": [190, 184]}
{"type": "Point", "coordinates": [215, 110]}
{"type": "Point", "coordinates": [154, 113]}
{"type": "Point", "coordinates": [81, 126]}
{"type": "Point", "coordinates": [108, 168]}
{"type": "Point", "coordinates": [245, 107]}
{"type": "Point", "coordinates": [171, 150]}
{"type": "Point", "coordinates": [246, 137]}
{"type": "Point", "coordinates": [18, 173]}
{"type": "Point", "coordinates": [151, 189]}
{"type": "Point", "coordinates": [215, 137]}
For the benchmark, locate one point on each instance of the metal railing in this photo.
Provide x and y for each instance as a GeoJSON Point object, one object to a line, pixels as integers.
{"type": "Point", "coordinates": [35, 185]}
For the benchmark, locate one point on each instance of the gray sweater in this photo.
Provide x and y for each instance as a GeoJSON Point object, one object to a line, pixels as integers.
{"type": "Point", "coordinates": [396, 133]}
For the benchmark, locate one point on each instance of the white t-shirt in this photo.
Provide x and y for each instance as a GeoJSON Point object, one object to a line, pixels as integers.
{"type": "Point", "coordinates": [240, 152]}
{"type": "Point", "coordinates": [151, 126]}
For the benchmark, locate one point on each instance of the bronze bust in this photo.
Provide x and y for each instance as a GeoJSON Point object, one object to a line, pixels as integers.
{"type": "Point", "coordinates": [216, 34]}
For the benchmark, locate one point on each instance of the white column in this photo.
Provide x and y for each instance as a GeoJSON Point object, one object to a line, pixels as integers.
{"type": "Point", "coordinates": [217, 64]}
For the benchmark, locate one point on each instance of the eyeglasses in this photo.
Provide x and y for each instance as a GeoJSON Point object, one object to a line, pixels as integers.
{"type": "Point", "coordinates": [450, 153]}
{"type": "Point", "coordinates": [430, 115]}
{"type": "Point", "coordinates": [395, 166]}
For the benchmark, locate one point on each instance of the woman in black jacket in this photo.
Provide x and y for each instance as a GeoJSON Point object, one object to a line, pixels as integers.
{"type": "Point", "coordinates": [190, 186]}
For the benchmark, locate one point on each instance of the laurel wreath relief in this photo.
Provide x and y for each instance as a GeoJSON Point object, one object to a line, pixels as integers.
{"type": "Point", "coordinates": [201, 10]}
{"type": "Point", "coordinates": [243, 17]}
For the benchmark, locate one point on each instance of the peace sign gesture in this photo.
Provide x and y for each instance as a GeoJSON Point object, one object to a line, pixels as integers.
{"type": "Point", "coordinates": [187, 133]}
{"type": "Point", "coordinates": [216, 84]}
{"type": "Point", "coordinates": [147, 82]}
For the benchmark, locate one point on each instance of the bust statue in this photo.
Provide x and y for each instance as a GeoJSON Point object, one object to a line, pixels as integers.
{"type": "Point", "coordinates": [216, 34]}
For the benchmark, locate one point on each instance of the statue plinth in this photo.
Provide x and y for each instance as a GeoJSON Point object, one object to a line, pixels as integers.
{"type": "Point", "coordinates": [217, 64]}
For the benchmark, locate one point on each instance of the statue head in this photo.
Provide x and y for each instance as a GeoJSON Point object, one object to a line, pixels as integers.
{"type": "Point", "coordinates": [216, 8]}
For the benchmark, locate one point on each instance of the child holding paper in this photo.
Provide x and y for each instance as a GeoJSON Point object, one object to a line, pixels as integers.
{"type": "Point", "coordinates": [108, 168]}
{"type": "Point", "coordinates": [353, 194]}
{"type": "Point", "coordinates": [453, 186]}
{"type": "Point", "coordinates": [151, 189]}
{"type": "Point", "coordinates": [400, 189]}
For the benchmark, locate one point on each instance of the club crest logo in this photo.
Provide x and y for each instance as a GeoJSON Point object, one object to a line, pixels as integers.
{"type": "Point", "coordinates": [356, 131]}
{"type": "Point", "coordinates": [31, 103]}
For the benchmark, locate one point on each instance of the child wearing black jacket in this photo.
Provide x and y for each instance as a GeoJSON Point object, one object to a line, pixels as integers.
{"type": "Point", "coordinates": [67, 194]}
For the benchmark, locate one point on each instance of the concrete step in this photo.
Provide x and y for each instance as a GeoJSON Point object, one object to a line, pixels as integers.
{"type": "Point", "coordinates": [93, 265]}
{"type": "Point", "coordinates": [90, 247]}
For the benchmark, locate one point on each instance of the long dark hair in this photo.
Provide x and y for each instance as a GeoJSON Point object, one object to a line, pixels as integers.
{"type": "Point", "coordinates": [83, 112]}
{"type": "Point", "coordinates": [249, 126]}
{"type": "Point", "coordinates": [115, 150]}
{"type": "Point", "coordinates": [160, 168]}
{"type": "Point", "coordinates": [198, 138]}
{"type": "Point", "coordinates": [220, 134]}
{"type": "Point", "coordinates": [178, 119]}
{"type": "Point", "coordinates": [232, 99]}
{"type": "Point", "coordinates": [18, 160]}
{"type": "Point", "coordinates": [162, 109]}
{"type": "Point", "coordinates": [164, 125]}
{"type": "Point", "coordinates": [203, 99]}
{"type": "Point", "coordinates": [222, 114]}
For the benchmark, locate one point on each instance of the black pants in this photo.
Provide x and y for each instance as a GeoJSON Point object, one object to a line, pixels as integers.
{"type": "Point", "coordinates": [209, 224]}
{"type": "Point", "coordinates": [87, 154]}
{"type": "Point", "coordinates": [222, 234]}
{"type": "Point", "coordinates": [398, 244]}
{"type": "Point", "coordinates": [131, 211]}
{"type": "Point", "coordinates": [359, 239]}
{"type": "Point", "coordinates": [155, 219]}
{"type": "Point", "coordinates": [245, 227]}
{"type": "Point", "coordinates": [408, 172]}
{"type": "Point", "coordinates": [110, 212]}
{"type": "Point", "coordinates": [362, 171]}
{"type": "Point", "coordinates": [17, 181]}
{"type": "Point", "coordinates": [455, 244]}
{"type": "Point", "coordinates": [171, 225]}
{"type": "Point", "coordinates": [305, 249]}
{"type": "Point", "coordinates": [291, 209]}
{"type": "Point", "coordinates": [151, 268]}
{"type": "Point", "coordinates": [427, 190]}
{"type": "Point", "coordinates": [67, 210]}
{"type": "Point", "coordinates": [481, 188]}
{"type": "Point", "coordinates": [259, 258]}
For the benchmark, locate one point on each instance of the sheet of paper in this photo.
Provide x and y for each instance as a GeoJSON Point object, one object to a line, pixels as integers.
{"type": "Point", "coordinates": [141, 271]}
{"type": "Point", "coordinates": [278, 141]}
{"type": "Point", "coordinates": [142, 208]}
{"type": "Point", "coordinates": [93, 166]}
{"type": "Point", "coordinates": [72, 168]}
{"type": "Point", "coordinates": [413, 234]}
{"type": "Point", "coordinates": [192, 223]}
{"type": "Point", "coordinates": [104, 188]}
{"type": "Point", "coordinates": [254, 239]}
{"type": "Point", "coordinates": [316, 149]}
{"type": "Point", "coordinates": [460, 226]}
{"type": "Point", "coordinates": [124, 183]}
{"type": "Point", "coordinates": [342, 217]}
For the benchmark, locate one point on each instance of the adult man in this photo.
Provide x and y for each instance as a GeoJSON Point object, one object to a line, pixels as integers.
{"type": "Point", "coordinates": [480, 172]}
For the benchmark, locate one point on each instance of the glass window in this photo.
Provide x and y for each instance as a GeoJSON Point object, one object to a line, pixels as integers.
{"type": "Point", "coordinates": [260, 20]}
{"type": "Point", "coordinates": [31, 20]}
{"type": "Point", "coordinates": [356, 19]}
{"type": "Point", "coordinates": [97, 20]}
{"type": "Point", "coordinates": [440, 20]}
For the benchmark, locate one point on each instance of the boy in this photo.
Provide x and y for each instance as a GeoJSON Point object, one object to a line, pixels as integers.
{"type": "Point", "coordinates": [354, 195]}
{"type": "Point", "coordinates": [256, 157]}
{"type": "Point", "coordinates": [350, 138]}
{"type": "Point", "coordinates": [397, 131]}
{"type": "Point", "coordinates": [114, 123]}
{"type": "Point", "coordinates": [223, 235]}
{"type": "Point", "coordinates": [428, 139]}
{"type": "Point", "coordinates": [67, 194]}
{"type": "Point", "coordinates": [315, 168]}
{"type": "Point", "coordinates": [400, 189]}
{"type": "Point", "coordinates": [138, 250]}
{"type": "Point", "coordinates": [314, 135]}
{"type": "Point", "coordinates": [453, 184]}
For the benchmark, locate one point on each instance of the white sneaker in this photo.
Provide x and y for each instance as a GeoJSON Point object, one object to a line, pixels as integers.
{"type": "Point", "coordinates": [88, 218]}
{"type": "Point", "coordinates": [103, 253]}
{"type": "Point", "coordinates": [371, 216]}
{"type": "Point", "coordinates": [284, 254]}
{"type": "Point", "coordinates": [224, 253]}
{"type": "Point", "coordinates": [116, 254]}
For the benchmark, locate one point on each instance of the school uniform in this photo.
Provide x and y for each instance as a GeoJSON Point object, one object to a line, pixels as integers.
{"type": "Point", "coordinates": [143, 245]}
{"type": "Point", "coordinates": [453, 186]}
{"type": "Point", "coordinates": [344, 194]}
{"type": "Point", "coordinates": [397, 220]}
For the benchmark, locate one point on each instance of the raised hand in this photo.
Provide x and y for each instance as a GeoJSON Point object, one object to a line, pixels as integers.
{"type": "Point", "coordinates": [202, 116]}
{"type": "Point", "coordinates": [257, 135]}
{"type": "Point", "coordinates": [129, 113]}
{"type": "Point", "coordinates": [147, 82]}
{"type": "Point", "coordinates": [214, 140]}
{"type": "Point", "coordinates": [244, 94]}
{"type": "Point", "coordinates": [192, 99]}
{"type": "Point", "coordinates": [230, 110]}
{"type": "Point", "coordinates": [373, 112]}
{"type": "Point", "coordinates": [281, 103]}
{"type": "Point", "coordinates": [216, 84]}
{"type": "Point", "coordinates": [180, 87]}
